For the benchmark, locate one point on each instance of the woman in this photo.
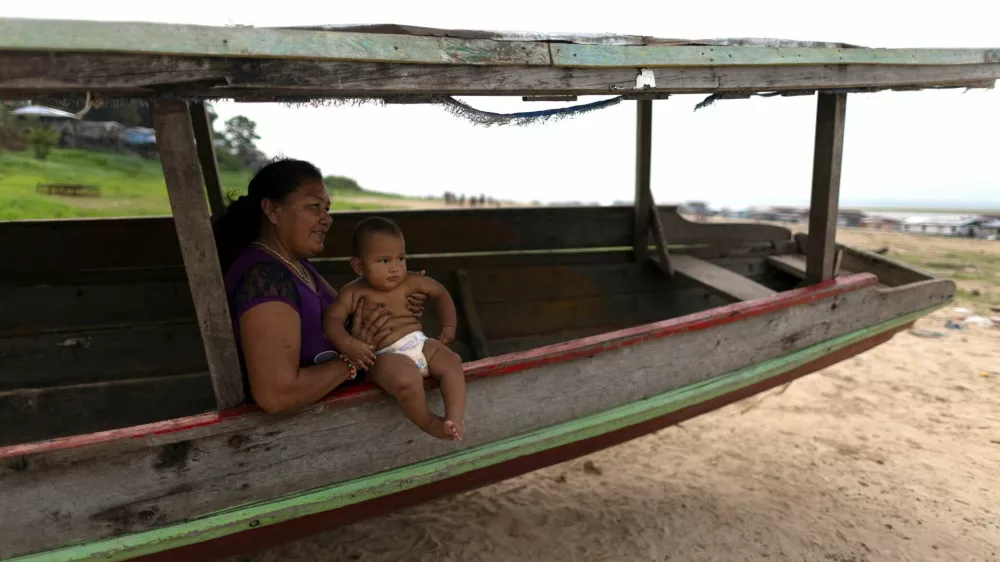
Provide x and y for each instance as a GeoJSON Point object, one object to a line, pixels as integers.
{"type": "Point", "coordinates": [276, 297]}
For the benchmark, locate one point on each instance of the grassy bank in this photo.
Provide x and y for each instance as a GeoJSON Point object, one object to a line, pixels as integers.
{"type": "Point", "coordinates": [129, 186]}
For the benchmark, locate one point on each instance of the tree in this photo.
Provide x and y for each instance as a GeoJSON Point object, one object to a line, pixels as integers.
{"type": "Point", "coordinates": [42, 140]}
{"type": "Point", "coordinates": [240, 134]}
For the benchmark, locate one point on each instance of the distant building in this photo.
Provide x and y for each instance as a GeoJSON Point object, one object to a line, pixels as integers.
{"type": "Point", "coordinates": [850, 218]}
{"type": "Point", "coordinates": [990, 230]}
{"type": "Point", "coordinates": [964, 227]}
{"type": "Point", "coordinates": [876, 222]}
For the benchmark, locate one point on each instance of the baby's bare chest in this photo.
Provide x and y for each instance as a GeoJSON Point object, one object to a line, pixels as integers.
{"type": "Point", "coordinates": [394, 301]}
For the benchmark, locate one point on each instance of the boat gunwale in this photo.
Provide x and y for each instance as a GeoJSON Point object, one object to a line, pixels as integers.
{"type": "Point", "coordinates": [488, 367]}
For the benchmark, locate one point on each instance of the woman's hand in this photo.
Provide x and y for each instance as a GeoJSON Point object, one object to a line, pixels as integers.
{"type": "Point", "coordinates": [415, 301]}
{"type": "Point", "coordinates": [360, 353]}
{"type": "Point", "coordinates": [369, 326]}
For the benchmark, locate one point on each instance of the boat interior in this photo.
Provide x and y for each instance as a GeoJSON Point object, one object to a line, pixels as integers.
{"type": "Point", "coordinates": [99, 330]}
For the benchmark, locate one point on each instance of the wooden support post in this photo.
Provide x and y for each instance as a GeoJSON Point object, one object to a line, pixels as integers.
{"type": "Point", "coordinates": [206, 156]}
{"type": "Point", "coordinates": [647, 217]}
{"type": "Point", "coordinates": [643, 195]}
{"type": "Point", "coordinates": [824, 205]}
{"type": "Point", "coordinates": [175, 138]}
{"type": "Point", "coordinates": [660, 238]}
{"type": "Point", "coordinates": [477, 339]}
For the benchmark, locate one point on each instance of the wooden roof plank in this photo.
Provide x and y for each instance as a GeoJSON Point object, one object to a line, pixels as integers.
{"type": "Point", "coordinates": [130, 75]}
{"type": "Point", "coordinates": [250, 42]}
{"type": "Point", "coordinates": [689, 55]}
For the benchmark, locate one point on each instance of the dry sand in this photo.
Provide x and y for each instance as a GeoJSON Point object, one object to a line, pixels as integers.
{"type": "Point", "coordinates": [890, 456]}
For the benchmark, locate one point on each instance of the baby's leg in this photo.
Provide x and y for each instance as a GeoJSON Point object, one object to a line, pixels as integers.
{"type": "Point", "coordinates": [446, 366]}
{"type": "Point", "coordinates": [398, 375]}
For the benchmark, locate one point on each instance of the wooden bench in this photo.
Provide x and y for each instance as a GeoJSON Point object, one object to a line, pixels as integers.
{"type": "Point", "coordinates": [717, 279]}
{"type": "Point", "coordinates": [73, 190]}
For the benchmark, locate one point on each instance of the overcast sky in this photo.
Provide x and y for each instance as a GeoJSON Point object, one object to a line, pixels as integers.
{"type": "Point", "coordinates": [919, 148]}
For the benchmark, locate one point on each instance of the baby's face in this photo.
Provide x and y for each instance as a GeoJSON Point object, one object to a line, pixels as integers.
{"type": "Point", "coordinates": [384, 261]}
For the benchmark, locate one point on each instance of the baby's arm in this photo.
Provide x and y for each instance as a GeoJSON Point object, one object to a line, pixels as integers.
{"type": "Point", "coordinates": [357, 351]}
{"type": "Point", "coordinates": [445, 306]}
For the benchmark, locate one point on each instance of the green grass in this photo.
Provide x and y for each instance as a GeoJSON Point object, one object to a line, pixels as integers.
{"type": "Point", "coordinates": [129, 185]}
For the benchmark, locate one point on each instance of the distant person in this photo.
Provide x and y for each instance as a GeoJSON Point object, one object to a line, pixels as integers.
{"type": "Point", "coordinates": [276, 297]}
{"type": "Point", "coordinates": [406, 355]}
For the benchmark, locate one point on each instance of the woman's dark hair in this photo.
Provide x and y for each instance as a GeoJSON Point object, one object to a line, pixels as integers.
{"type": "Point", "coordinates": [240, 224]}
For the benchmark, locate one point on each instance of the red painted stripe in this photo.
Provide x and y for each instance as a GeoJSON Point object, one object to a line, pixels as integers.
{"type": "Point", "coordinates": [264, 537]}
{"type": "Point", "coordinates": [493, 366]}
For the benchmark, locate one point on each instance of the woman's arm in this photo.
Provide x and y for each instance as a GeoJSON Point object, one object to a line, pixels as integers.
{"type": "Point", "coordinates": [271, 339]}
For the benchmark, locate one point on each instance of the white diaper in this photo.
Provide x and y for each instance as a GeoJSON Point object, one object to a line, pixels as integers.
{"type": "Point", "coordinates": [412, 346]}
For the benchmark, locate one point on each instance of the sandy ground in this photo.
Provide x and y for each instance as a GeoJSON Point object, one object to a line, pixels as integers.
{"type": "Point", "coordinates": [890, 456]}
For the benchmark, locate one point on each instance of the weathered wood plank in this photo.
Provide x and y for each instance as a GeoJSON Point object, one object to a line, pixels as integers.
{"type": "Point", "coordinates": [681, 302]}
{"type": "Point", "coordinates": [42, 309]}
{"type": "Point", "coordinates": [663, 259]}
{"type": "Point", "coordinates": [643, 205]}
{"type": "Point", "coordinates": [44, 413]}
{"type": "Point", "coordinates": [890, 272]}
{"type": "Point", "coordinates": [176, 141]}
{"type": "Point", "coordinates": [532, 318]}
{"type": "Point", "coordinates": [101, 355]}
{"type": "Point", "coordinates": [468, 308]}
{"type": "Point", "coordinates": [112, 75]}
{"type": "Point", "coordinates": [192, 471]}
{"type": "Point", "coordinates": [206, 157]}
{"type": "Point", "coordinates": [828, 154]}
{"type": "Point", "coordinates": [70, 245]}
{"type": "Point", "coordinates": [165, 296]}
{"type": "Point", "coordinates": [708, 55]}
{"type": "Point", "coordinates": [249, 42]}
{"type": "Point", "coordinates": [719, 279]}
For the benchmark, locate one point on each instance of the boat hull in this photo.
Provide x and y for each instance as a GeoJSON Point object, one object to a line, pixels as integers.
{"type": "Point", "coordinates": [165, 485]}
{"type": "Point", "coordinates": [260, 538]}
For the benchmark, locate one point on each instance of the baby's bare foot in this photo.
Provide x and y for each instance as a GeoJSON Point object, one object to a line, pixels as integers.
{"type": "Point", "coordinates": [454, 428]}
{"type": "Point", "coordinates": [437, 428]}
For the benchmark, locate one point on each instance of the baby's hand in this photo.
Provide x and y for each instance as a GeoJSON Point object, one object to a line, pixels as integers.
{"type": "Point", "coordinates": [359, 353]}
{"type": "Point", "coordinates": [447, 335]}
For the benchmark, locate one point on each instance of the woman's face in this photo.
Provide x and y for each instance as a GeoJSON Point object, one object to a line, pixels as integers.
{"type": "Point", "coordinates": [302, 219]}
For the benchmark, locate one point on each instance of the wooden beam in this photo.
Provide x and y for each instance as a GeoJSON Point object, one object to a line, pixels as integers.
{"type": "Point", "coordinates": [690, 55]}
{"type": "Point", "coordinates": [251, 42]}
{"type": "Point", "coordinates": [660, 239]}
{"type": "Point", "coordinates": [720, 280]}
{"type": "Point", "coordinates": [828, 153]}
{"type": "Point", "coordinates": [477, 339]}
{"type": "Point", "coordinates": [206, 156]}
{"type": "Point", "coordinates": [122, 75]}
{"type": "Point", "coordinates": [59, 246]}
{"type": "Point", "coordinates": [179, 157]}
{"type": "Point", "coordinates": [643, 165]}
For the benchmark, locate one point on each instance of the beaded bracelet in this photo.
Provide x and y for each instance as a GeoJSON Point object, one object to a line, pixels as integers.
{"type": "Point", "coordinates": [354, 370]}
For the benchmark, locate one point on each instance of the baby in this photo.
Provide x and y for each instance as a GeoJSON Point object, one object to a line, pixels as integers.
{"type": "Point", "coordinates": [405, 355]}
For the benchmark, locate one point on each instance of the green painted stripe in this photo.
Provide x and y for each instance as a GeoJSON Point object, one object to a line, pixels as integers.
{"type": "Point", "coordinates": [661, 55]}
{"type": "Point", "coordinates": [199, 40]}
{"type": "Point", "coordinates": [418, 474]}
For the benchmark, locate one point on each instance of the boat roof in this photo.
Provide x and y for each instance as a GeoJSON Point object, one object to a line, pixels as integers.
{"type": "Point", "coordinates": [126, 59]}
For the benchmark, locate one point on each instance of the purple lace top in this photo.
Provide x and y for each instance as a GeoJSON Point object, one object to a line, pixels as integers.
{"type": "Point", "coordinates": [256, 276]}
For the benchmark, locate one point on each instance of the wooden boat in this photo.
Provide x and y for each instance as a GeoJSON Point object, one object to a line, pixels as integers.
{"type": "Point", "coordinates": [123, 429]}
